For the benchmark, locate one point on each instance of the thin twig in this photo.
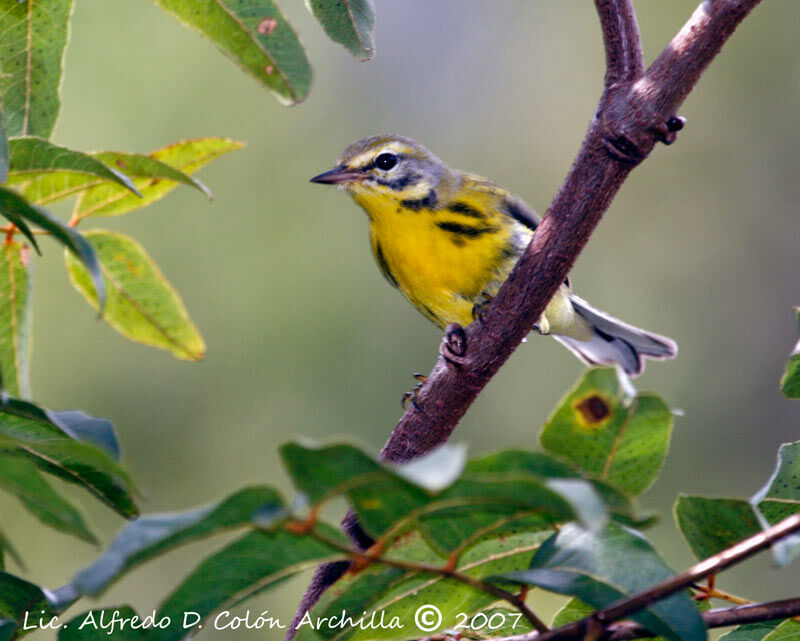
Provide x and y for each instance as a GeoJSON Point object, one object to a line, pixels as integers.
{"type": "Point", "coordinates": [364, 558]}
{"type": "Point", "coordinates": [712, 565]}
{"type": "Point", "coordinates": [623, 45]}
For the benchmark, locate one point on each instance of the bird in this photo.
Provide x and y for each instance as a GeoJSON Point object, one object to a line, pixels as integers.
{"type": "Point", "coordinates": [448, 239]}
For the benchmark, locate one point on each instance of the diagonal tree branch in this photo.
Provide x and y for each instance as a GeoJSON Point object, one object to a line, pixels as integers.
{"type": "Point", "coordinates": [636, 110]}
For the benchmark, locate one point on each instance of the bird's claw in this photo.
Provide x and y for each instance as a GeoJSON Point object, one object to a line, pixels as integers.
{"type": "Point", "coordinates": [412, 395]}
{"type": "Point", "coordinates": [453, 347]}
{"type": "Point", "coordinates": [479, 309]}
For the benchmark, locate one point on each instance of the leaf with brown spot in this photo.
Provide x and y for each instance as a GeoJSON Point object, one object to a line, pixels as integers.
{"type": "Point", "coordinates": [141, 305]}
{"type": "Point", "coordinates": [609, 436]}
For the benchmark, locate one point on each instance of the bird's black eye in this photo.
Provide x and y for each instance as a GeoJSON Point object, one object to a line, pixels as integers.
{"type": "Point", "coordinates": [386, 161]}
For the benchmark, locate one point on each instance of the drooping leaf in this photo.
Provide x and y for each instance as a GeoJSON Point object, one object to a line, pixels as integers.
{"type": "Point", "coordinates": [31, 56]}
{"type": "Point", "coordinates": [17, 210]}
{"type": "Point", "coordinates": [256, 36]}
{"type": "Point", "coordinates": [142, 305]}
{"type": "Point", "coordinates": [32, 155]}
{"type": "Point", "coordinates": [712, 525]}
{"type": "Point", "coordinates": [790, 382]}
{"type": "Point", "coordinates": [603, 567]}
{"type": "Point", "coordinates": [94, 625]}
{"type": "Point", "coordinates": [780, 498]}
{"type": "Point", "coordinates": [252, 564]}
{"type": "Point", "coordinates": [396, 593]}
{"type": "Point", "coordinates": [786, 630]}
{"type": "Point", "coordinates": [155, 175]}
{"type": "Point", "coordinates": [16, 278]}
{"type": "Point", "coordinates": [608, 435]}
{"type": "Point", "coordinates": [7, 549]}
{"type": "Point", "coordinates": [150, 536]}
{"type": "Point", "coordinates": [20, 477]}
{"type": "Point", "coordinates": [27, 428]}
{"type": "Point", "coordinates": [351, 23]}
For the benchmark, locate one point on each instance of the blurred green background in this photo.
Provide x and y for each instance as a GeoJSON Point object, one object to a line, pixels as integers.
{"type": "Point", "coordinates": [304, 335]}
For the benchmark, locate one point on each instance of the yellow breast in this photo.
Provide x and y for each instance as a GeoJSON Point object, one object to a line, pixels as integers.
{"type": "Point", "coordinates": [443, 259]}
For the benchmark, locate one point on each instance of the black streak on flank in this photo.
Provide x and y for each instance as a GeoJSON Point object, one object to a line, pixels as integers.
{"type": "Point", "coordinates": [429, 202]}
{"type": "Point", "coordinates": [521, 214]}
{"type": "Point", "coordinates": [465, 230]}
{"type": "Point", "coordinates": [384, 266]}
{"type": "Point", "coordinates": [464, 209]}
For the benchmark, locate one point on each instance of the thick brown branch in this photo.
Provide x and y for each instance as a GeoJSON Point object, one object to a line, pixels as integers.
{"type": "Point", "coordinates": [632, 117]}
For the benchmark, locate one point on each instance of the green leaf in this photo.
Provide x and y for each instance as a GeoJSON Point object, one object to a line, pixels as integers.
{"type": "Point", "coordinates": [89, 626]}
{"type": "Point", "coordinates": [604, 567]}
{"type": "Point", "coordinates": [573, 611]}
{"type": "Point", "coordinates": [7, 548]}
{"type": "Point", "coordinates": [155, 175]}
{"type": "Point", "coordinates": [252, 564]}
{"type": "Point", "coordinates": [780, 498]}
{"type": "Point", "coordinates": [256, 36]}
{"type": "Point", "coordinates": [18, 597]}
{"type": "Point", "coordinates": [790, 382]}
{"type": "Point", "coordinates": [149, 536]}
{"type": "Point", "coordinates": [351, 23]}
{"type": "Point", "coordinates": [712, 525]}
{"type": "Point", "coordinates": [8, 629]}
{"type": "Point", "coordinates": [26, 428]}
{"type": "Point", "coordinates": [20, 477]}
{"type": "Point", "coordinates": [608, 435]}
{"type": "Point", "coordinates": [786, 630]}
{"type": "Point", "coordinates": [89, 429]}
{"type": "Point", "coordinates": [142, 305]}
{"type": "Point", "coordinates": [31, 58]}
{"type": "Point", "coordinates": [16, 279]}
{"type": "Point", "coordinates": [33, 156]}
{"type": "Point", "coordinates": [15, 208]}
{"type": "Point", "coordinates": [396, 593]}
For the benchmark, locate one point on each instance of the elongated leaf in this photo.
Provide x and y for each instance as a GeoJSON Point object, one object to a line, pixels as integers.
{"type": "Point", "coordinates": [25, 427]}
{"type": "Point", "coordinates": [609, 436]}
{"type": "Point", "coordinates": [155, 175]}
{"type": "Point", "coordinates": [16, 278]}
{"type": "Point", "coordinates": [790, 382]}
{"type": "Point", "coordinates": [34, 155]}
{"type": "Point", "coordinates": [150, 536]}
{"type": "Point", "coordinates": [765, 631]}
{"type": "Point", "coordinates": [251, 564]}
{"type": "Point", "coordinates": [20, 477]}
{"type": "Point", "coordinates": [256, 36]}
{"type": "Point", "coordinates": [94, 625]}
{"type": "Point", "coordinates": [601, 568]}
{"type": "Point", "coordinates": [16, 209]}
{"type": "Point", "coordinates": [394, 593]}
{"type": "Point", "coordinates": [351, 23]}
{"type": "Point", "coordinates": [31, 57]}
{"type": "Point", "coordinates": [142, 305]}
{"type": "Point", "coordinates": [49, 187]}
{"type": "Point", "coordinates": [780, 498]}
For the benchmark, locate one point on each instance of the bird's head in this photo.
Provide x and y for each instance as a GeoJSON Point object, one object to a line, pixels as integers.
{"type": "Point", "coordinates": [388, 166]}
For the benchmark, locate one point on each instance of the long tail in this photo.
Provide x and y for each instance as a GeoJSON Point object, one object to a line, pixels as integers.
{"type": "Point", "coordinates": [615, 342]}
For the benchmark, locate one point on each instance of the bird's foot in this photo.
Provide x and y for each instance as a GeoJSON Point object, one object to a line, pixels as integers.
{"type": "Point", "coordinates": [479, 309]}
{"type": "Point", "coordinates": [412, 395]}
{"type": "Point", "coordinates": [453, 347]}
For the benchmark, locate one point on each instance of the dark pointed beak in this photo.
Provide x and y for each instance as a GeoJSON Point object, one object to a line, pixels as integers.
{"type": "Point", "coordinates": [338, 176]}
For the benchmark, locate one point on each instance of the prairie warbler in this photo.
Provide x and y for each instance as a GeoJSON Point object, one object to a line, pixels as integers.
{"type": "Point", "coordinates": [448, 239]}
